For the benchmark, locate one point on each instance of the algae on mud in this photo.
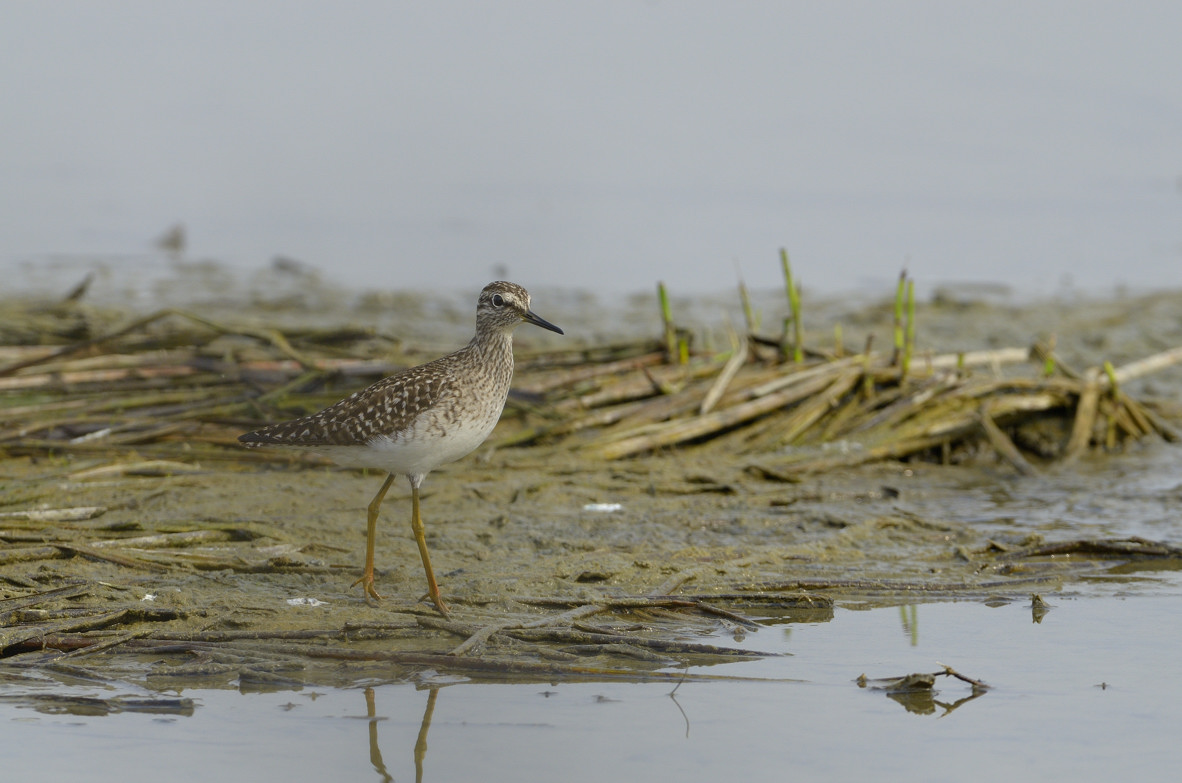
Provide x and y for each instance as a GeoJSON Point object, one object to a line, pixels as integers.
{"type": "Point", "coordinates": [138, 538]}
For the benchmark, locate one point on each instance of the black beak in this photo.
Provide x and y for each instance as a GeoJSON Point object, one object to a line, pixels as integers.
{"type": "Point", "coordinates": [533, 318]}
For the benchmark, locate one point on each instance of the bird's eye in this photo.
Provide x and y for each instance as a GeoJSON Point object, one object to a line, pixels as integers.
{"type": "Point", "coordinates": [498, 300]}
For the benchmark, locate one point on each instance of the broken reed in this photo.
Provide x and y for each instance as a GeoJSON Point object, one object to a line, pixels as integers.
{"type": "Point", "coordinates": [888, 406]}
{"type": "Point", "coordinates": [168, 387]}
{"type": "Point", "coordinates": [761, 409]}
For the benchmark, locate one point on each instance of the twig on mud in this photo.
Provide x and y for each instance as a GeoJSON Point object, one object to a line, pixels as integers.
{"type": "Point", "coordinates": [19, 602]}
{"type": "Point", "coordinates": [480, 636]}
{"type": "Point", "coordinates": [42, 635]}
{"type": "Point", "coordinates": [183, 538]}
{"type": "Point", "coordinates": [1131, 547]}
{"type": "Point", "coordinates": [273, 336]}
{"type": "Point", "coordinates": [477, 637]}
{"type": "Point", "coordinates": [30, 553]}
{"type": "Point", "coordinates": [733, 364]}
{"type": "Point", "coordinates": [106, 644]}
{"type": "Point", "coordinates": [111, 557]}
{"type": "Point", "coordinates": [75, 514]}
{"type": "Point", "coordinates": [675, 581]}
{"type": "Point", "coordinates": [1002, 444]}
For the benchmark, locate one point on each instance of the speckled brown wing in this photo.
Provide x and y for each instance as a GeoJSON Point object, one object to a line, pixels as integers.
{"type": "Point", "coordinates": [388, 407]}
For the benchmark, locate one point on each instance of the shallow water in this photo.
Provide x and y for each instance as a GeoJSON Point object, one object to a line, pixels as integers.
{"type": "Point", "coordinates": [1089, 693]}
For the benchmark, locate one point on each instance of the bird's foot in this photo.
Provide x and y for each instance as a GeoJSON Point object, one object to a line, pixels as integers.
{"type": "Point", "coordinates": [437, 599]}
{"type": "Point", "coordinates": [371, 594]}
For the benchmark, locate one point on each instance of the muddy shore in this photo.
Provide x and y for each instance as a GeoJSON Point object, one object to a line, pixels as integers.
{"type": "Point", "coordinates": [137, 566]}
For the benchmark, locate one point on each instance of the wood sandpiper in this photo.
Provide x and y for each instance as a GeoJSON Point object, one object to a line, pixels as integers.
{"type": "Point", "coordinates": [416, 420]}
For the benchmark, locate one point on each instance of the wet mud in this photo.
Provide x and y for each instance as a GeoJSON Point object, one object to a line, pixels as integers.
{"type": "Point", "coordinates": [556, 564]}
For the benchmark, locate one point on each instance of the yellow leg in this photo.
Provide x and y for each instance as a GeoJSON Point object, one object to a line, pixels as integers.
{"type": "Point", "coordinates": [366, 579]}
{"type": "Point", "coordinates": [416, 525]}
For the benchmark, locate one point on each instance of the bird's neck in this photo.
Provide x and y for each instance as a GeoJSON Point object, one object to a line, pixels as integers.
{"type": "Point", "coordinates": [491, 345]}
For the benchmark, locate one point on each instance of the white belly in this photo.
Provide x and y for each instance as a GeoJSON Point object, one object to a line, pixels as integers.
{"type": "Point", "coordinates": [415, 452]}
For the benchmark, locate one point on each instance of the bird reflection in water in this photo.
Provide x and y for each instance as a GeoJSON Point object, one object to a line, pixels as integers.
{"type": "Point", "coordinates": [375, 752]}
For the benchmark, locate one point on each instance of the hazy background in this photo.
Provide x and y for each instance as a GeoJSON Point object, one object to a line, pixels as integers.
{"type": "Point", "coordinates": [599, 146]}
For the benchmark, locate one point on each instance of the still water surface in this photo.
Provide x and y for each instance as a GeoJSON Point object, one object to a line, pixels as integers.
{"type": "Point", "coordinates": [1090, 692]}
